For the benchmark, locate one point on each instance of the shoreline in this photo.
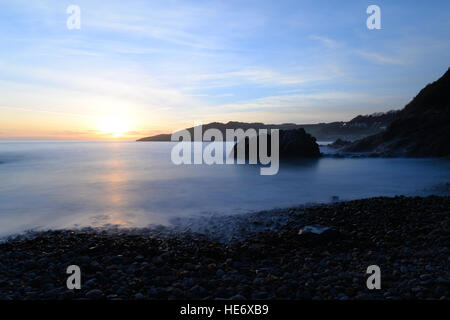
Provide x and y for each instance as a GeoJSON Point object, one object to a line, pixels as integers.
{"type": "Point", "coordinates": [407, 237]}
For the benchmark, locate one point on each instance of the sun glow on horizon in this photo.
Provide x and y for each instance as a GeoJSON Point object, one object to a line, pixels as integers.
{"type": "Point", "coordinates": [115, 126]}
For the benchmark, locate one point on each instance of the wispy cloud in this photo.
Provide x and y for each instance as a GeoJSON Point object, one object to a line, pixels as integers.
{"type": "Point", "coordinates": [331, 99]}
{"type": "Point", "coordinates": [255, 75]}
{"type": "Point", "coordinates": [378, 58]}
{"type": "Point", "coordinates": [330, 43]}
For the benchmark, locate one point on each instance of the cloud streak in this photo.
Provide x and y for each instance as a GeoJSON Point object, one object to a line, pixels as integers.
{"type": "Point", "coordinates": [378, 58]}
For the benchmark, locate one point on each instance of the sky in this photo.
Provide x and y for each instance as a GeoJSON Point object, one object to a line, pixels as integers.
{"type": "Point", "coordinates": [137, 68]}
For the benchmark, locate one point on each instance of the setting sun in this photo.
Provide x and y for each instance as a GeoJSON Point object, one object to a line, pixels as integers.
{"type": "Point", "coordinates": [114, 125]}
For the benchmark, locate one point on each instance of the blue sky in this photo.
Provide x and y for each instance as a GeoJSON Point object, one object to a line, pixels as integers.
{"type": "Point", "coordinates": [161, 65]}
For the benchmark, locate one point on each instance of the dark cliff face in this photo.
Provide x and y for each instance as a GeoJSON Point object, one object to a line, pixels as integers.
{"type": "Point", "coordinates": [293, 144]}
{"type": "Point", "coordinates": [421, 129]}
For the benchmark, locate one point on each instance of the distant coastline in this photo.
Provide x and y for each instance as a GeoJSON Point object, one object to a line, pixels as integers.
{"type": "Point", "coordinates": [358, 127]}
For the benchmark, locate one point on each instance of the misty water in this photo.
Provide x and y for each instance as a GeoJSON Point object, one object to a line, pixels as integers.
{"type": "Point", "coordinates": [64, 184]}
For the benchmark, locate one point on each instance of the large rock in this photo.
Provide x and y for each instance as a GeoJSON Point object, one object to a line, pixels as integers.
{"type": "Point", "coordinates": [293, 144]}
{"type": "Point", "coordinates": [421, 129]}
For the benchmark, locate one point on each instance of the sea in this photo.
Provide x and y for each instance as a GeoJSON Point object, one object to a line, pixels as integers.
{"type": "Point", "coordinates": [75, 184]}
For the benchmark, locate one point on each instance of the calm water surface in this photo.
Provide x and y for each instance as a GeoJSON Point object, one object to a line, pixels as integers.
{"type": "Point", "coordinates": [69, 184]}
